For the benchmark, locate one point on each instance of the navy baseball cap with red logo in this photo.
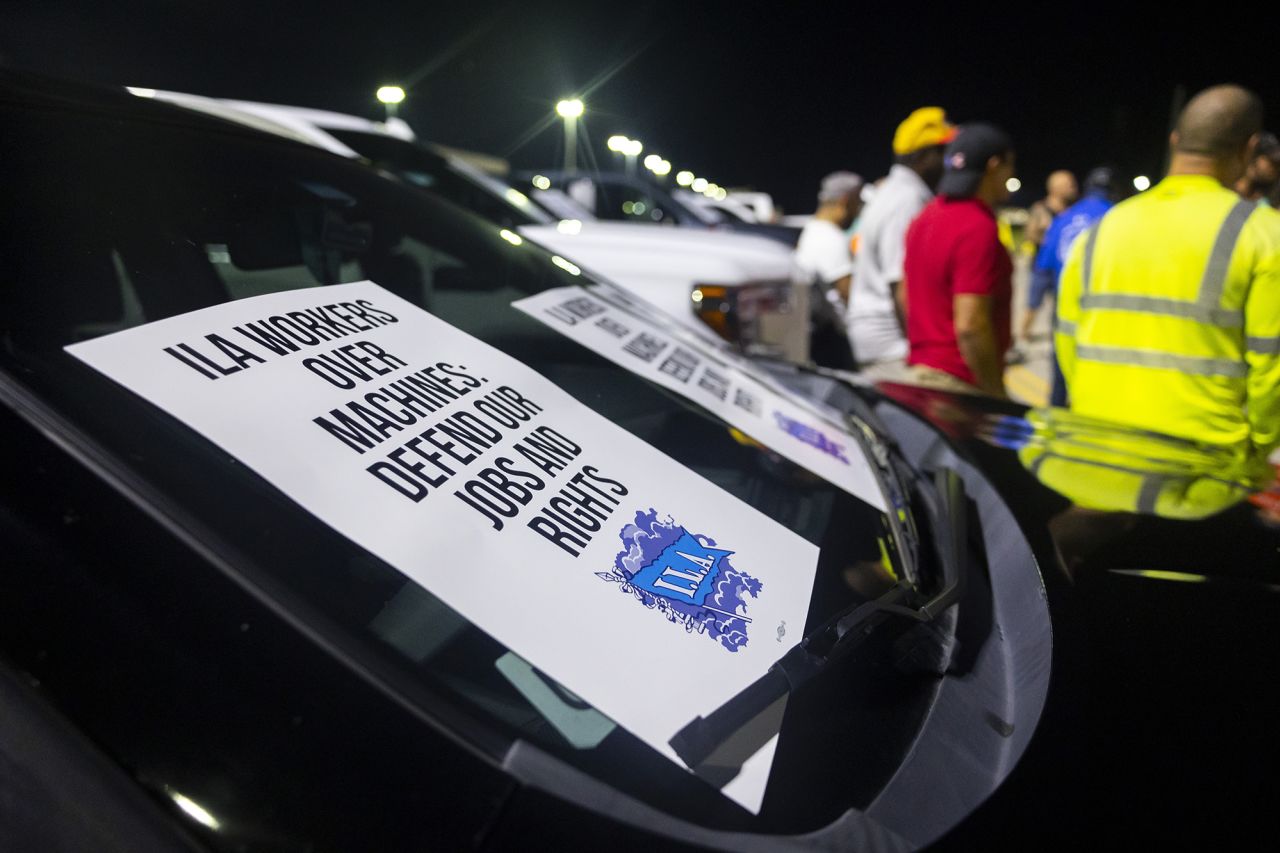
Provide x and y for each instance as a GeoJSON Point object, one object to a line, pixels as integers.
{"type": "Point", "coordinates": [965, 160]}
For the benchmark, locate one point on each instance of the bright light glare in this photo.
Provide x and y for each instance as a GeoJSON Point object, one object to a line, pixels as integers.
{"type": "Point", "coordinates": [516, 197]}
{"type": "Point", "coordinates": [662, 168]}
{"type": "Point", "coordinates": [651, 162]}
{"type": "Point", "coordinates": [628, 207]}
{"type": "Point", "coordinates": [699, 185]}
{"type": "Point", "coordinates": [721, 193]}
{"type": "Point", "coordinates": [618, 143]}
{"type": "Point", "coordinates": [140, 91]}
{"type": "Point", "coordinates": [567, 266]}
{"type": "Point", "coordinates": [1013, 185]}
{"type": "Point", "coordinates": [696, 296]}
{"type": "Point", "coordinates": [195, 810]}
{"type": "Point", "coordinates": [390, 94]}
{"type": "Point", "coordinates": [1141, 183]}
{"type": "Point", "coordinates": [569, 226]}
{"type": "Point", "coordinates": [570, 108]}
{"type": "Point", "coordinates": [542, 182]}
{"type": "Point", "coordinates": [511, 237]}
{"type": "Point", "coordinates": [711, 190]}
{"type": "Point", "coordinates": [684, 178]}
{"type": "Point", "coordinates": [633, 148]}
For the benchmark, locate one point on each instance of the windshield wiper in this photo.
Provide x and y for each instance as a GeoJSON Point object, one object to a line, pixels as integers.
{"type": "Point", "coordinates": [715, 746]}
{"type": "Point", "coordinates": [893, 472]}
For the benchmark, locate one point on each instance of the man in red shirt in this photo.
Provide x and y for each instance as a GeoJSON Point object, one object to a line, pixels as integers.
{"type": "Point", "coordinates": [958, 275]}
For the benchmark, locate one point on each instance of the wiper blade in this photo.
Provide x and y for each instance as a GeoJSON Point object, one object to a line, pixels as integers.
{"type": "Point", "coordinates": [716, 745]}
{"type": "Point", "coordinates": [886, 457]}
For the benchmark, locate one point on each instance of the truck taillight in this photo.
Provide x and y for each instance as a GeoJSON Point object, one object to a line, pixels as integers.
{"type": "Point", "coordinates": [762, 318]}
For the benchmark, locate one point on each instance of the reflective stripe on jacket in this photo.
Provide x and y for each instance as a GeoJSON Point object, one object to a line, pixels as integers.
{"type": "Point", "coordinates": [1169, 315]}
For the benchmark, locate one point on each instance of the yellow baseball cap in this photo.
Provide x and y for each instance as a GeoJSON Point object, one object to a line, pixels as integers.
{"type": "Point", "coordinates": [925, 127]}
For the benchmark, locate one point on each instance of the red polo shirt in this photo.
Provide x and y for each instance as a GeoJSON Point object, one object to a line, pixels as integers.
{"type": "Point", "coordinates": [953, 247]}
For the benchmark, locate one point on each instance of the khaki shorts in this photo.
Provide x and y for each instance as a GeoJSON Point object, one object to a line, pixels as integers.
{"type": "Point", "coordinates": [931, 377]}
{"type": "Point", "coordinates": [893, 370]}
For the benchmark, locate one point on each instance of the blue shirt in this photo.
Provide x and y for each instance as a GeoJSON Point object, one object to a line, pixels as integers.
{"type": "Point", "coordinates": [1066, 227]}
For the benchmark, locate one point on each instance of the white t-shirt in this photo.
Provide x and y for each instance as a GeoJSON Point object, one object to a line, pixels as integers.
{"type": "Point", "coordinates": [874, 331]}
{"type": "Point", "coordinates": [822, 254]}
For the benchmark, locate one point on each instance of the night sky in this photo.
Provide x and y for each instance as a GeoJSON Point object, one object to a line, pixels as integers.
{"type": "Point", "coordinates": [767, 94]}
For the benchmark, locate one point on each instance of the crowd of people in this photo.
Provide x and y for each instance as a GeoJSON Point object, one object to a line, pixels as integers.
{"type": "Point", "coordinates": [1166, 305]}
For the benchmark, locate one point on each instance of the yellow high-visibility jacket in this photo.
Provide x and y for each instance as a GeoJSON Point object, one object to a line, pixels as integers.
{"type": "Point", "coordinates": [1169, 315]}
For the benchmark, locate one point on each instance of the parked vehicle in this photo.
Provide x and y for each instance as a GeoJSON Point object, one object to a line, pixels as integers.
{"type": "Point", "coordinates": [671, 268]}
{"type": "Point", "coordinates": [728, 209]}
{"type": "Point", "coordinates": [630, 198]}
{"type": "Point", "coordinates": [1160, 561]}
{"type": "Point", "coordinates": [214, 666]}
{"type": "Point", "coordinates": [758, 202]}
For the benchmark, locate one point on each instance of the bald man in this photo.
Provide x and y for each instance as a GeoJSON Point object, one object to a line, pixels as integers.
{"type": "Point", "coordinates": [1061, 192]}
{"type": "Point", "coordinates": [1169, 307]}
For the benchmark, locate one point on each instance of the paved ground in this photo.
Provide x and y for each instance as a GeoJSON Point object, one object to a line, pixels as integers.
{"type": "Point", "coordinates": [1029, 382]}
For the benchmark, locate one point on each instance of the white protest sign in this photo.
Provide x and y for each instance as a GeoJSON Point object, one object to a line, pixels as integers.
{"type": "Point", "coordinates": [630, 579]}
{"type": "Point", "coordinates": [712, 381]}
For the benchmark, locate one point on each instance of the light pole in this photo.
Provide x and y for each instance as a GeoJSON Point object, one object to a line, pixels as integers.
{"type": "Point", "coordinates": [629, 149]}
{"type": "Point", "coordinates": [570, 109]}
{"type": "Point", "coordinates": [659, 166]}
{"type": "Point", "coordinates": [390, 96]}
{"type": "Point", "coordinates": [632, 151]}
{"type": "Point", "coordinates": [619, 144]}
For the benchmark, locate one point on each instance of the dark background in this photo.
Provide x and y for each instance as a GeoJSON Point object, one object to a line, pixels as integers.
{"type": "Point", "coordinates": [765, 94]}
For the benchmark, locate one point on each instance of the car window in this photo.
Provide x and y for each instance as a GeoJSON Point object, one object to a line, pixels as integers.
{"type": "Point", "coordinates": [112, 223]}
{"type": "Point", "coordinates": [554, 201]}
{"type": "Point", "coordinates": [623, 202]}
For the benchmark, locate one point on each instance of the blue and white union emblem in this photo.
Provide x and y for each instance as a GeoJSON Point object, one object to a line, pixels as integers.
{"type": "Point", "coordinates": [685, 577]}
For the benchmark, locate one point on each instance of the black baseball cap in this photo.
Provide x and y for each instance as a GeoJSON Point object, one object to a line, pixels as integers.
{"type": "Point", "coordinates": [965, 160]}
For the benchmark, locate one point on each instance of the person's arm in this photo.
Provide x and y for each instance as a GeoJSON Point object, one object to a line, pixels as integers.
{"type": "Point", "coordinates": [977, 265]}
{"type": "Point", "coordinates": [893, 254]}
{"type": "Point", "coordinates": [976, 339]}
{"type": "Point", "coordinates": [1262, 353]}
{"type": "Point", "coordinates": [1038, 221]}
{"type": "Point", "coordinates": [899, 291]}
{"type": "Point", "coordinates": [842, 286]}
{"type": "Point", "coordinates": [835, 264]}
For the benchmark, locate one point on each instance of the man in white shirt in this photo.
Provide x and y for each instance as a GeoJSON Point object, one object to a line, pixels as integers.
{"type": "Point", "coordinates": [876, 314]}
{"type": "Point", "coordinates": [823, 259]}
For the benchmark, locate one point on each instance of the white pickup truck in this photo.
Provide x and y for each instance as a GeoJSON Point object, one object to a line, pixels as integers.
{"type": "Point", "coordinates": [725, 286]}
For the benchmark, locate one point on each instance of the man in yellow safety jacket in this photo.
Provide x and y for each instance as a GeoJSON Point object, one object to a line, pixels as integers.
{"type": "Point", "coordinates": [1169, 308]}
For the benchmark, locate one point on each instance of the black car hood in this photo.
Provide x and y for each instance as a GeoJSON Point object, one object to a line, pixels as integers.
{"type": "Point", "coordinates": [1162, 684]}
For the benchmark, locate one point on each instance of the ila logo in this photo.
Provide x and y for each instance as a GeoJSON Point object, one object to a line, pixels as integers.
{"type": "Point", "coordinates": [685, 577]}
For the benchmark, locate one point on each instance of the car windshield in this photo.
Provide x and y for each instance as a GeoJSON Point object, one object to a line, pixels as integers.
{"type": "Point", "coordinates": [122, 216]}
{"type": "Point", "coordinates": [428, 171]}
